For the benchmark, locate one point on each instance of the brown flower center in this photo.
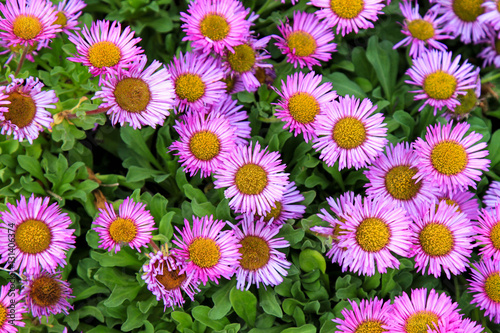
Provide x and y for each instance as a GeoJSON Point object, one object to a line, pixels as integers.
{"type": "Point", "coordinates": [132, 95]}
{"type": "Point", "coordinates": [46, 291]}
{"type": "Point", "coordinates": [255, 253]}
{"type": "Point", "coordinates": [22, 109]}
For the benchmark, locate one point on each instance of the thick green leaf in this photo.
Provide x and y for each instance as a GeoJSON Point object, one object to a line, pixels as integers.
{"type": "Point", "coordinates": [244, 304]}
{"type": "Point", "coordinates": [269, 302]}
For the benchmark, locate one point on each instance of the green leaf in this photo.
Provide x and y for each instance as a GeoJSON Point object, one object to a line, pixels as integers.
{"type": "Point", "coordinates": [200, 313]}
{"type": "Point", "coordinates": [385, 63]}
{"type": "Point", "coordinates": [308, 328]}
{"type": "Point", "coordinates": [406, 121]}
{"type": "Point", "coordinates": [244, 304]}
{"type": "Point", "coordinates": [344, 86]}
{"type": "Point", "coordinates": [494, 148]}
{"type": "Point", "coordinates": [182, 319]}
{"type": "Point", "coordinates": [135, 318]}
{"type": "Point", "coordinates": [269, 302]}
{"type": "Point", "coordinates": [202, 209]}
{"type": "Point", "coordinates": [122, 293]}
{"type": "Point", "coordinates": [310, 260]}
{"type": "Point", "coordinates": [222, 303]}
{"type": "Point", "coordinates": [32, 165]}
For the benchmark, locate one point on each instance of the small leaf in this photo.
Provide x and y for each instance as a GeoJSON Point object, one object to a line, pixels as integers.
{"type": "Point", "coordinates": [310, 260]}
{"type": "Point", "coordinates": [244, 304]}
{"type": "Point", "coordinates": [269, 303]}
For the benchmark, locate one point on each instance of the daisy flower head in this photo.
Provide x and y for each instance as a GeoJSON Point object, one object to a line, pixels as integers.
{"type": "Point", "coordinates": [138, 96]}
{"type": "Point", "coordinates": [164, 278]}
{"type": "Point", "coordinates": [367, 316]}
{"type": "Point", "coordinates": [229, 109]}
{"type": "Point", "coordinates": [468, 103]}
{"type": "Point", "coordinates": [391, 177]}
{"type": "Point", "coordinates": [234, 84]}
{"type": "Point", "coordinates": [470, 326]}
{"type": "Point", "coordinates": [11, 309]}
{"type": "Point", "coordinates": [485, 287]}
{"type": "Point", "coordinates": [67, 14]}
{"type": "Point", "coordinates": [422, 33]}
{"type": "Point", "coordinates": [491, 15]}
{"type": "Point", "coordinates": [203, 143]}
{"type": "Point", "coordinates": [216, 26]}
{"type": "Point", "coordinates": [132, 226]}
{"type": "Point", "coordinates": [41, 235]}
{"type": "Point", "coordinates": [105, 48]}
{"type": "Point", "coordinates": [197, 81]}
{"type": "Point", "coordinates": [491, 52]}
{"type": "Point", "coordinates": [441, 240]}
{"type": "Point", "coordinates": [46, 294]}
{"type": "Point", "coordinates": [348, 15]}
{"type": "Point", "coordinates": [488, 233]}
{"type": "Point", "coordinates": [208, 252]}
{"type": "Point", "coordinates": [450, 158]}
{"type": "Point", "coordinates": [462, 201]}
{"type": "Point", "coordinates": [441, 79]}
{"type": "Point", "coordinates": [492, 196]}
{"type": "Point", "coordinates": [260, 262]}
{"type": "Point", "coordinates": [307, 41]}
{"type": "Point", "coordinates": [26, 114]}
{"type": "Point", "coordinates": [254, 178]}
{"type": "Point", "coordinates": [350, 132]}
{"type": "Point", "coordinates": [303, 99]}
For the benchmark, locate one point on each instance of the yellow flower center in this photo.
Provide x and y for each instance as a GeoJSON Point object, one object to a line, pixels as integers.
{"type": "Point", "coordinates": [468, 10]}
{"type": "Point", "coordinates": [419, 321]}
{"type": "Point", "coordinates": [33, 236]}
{"type": "Point", "coordinates": [349, 133]}
{"type": "Point", "coordinates": [492, 287]}
{"type": "Point", "coordinates": [449, 158]}
{"type": "Point", "coordinates": [440, 85]}
{"type": "Point", "coordinates": [495, 235]}
{"type": "Point", "coordinates": [204, 252]}
{"type": "Point", "coordinates": [3, 314]}
{"type": "Point", "coordinates": [104, 54]}
{"type": "Point", "coordinates": [274, 213]}
{"type": "Point", "coordinates": [251, 179]}
{"type": "Point", "coordinates": [255, 253]}
{"type": "Point", "coordinates": [303, 43]}
{"type": "Point", "coordinates": [303, 107]}
{"type": "Point", "coordinates": [400, 184]}
{"type": "Point", "coordinates": [61, 19]}
{"type": "Point", "coordinates": [22, 109]}
{"type": "Point", "coordinates": [170, 279]}
{"type": "Point", "coordinates": [436, 239]}
{"type": "Point", "coordinates": [467, 102]}
{"type": "Point", "coordinates": [122, 230]}
{"type": "Point", "coordinates": [370, 326]}
{"type": "Point", "coordinates": [214, 27]}
{"type": "Point", "coordinates": [243, 58]}
{"type": "Point", "coordinates": [190, 87]}
{"type": "Point", "coordinates": [26, 27]}
{"type": "Point", "coordinates": [421, 29]}
{"type": "Point", "coordinates": [46, 291]}
{"type": "Point", "coordinates": [347, 9]}
{"type": "Point", "coordinates": [372, 235]}
{"type": "Point", "coordinates": [204, 145]}
{"type": "Point", "coordinates": [132, 95]}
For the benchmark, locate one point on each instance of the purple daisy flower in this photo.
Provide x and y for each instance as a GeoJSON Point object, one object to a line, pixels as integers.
{"type": "Point", "coordinates": [488, 233]}
{"type": "Point", "coordinates": [138, 96]}
{"type": "Point", "coordinates": [105, 48]}
{"type": "Point", "coordinates": [468, 103]}
{"type": "Point", "coordinates": [348, 15]}
{"type": "Point", "coordinates": [367, 316]}
{"type": "Point", "coordinates": [485, 286]}
{"type": "Point", "coordinates": [421, 32]}
{"type": "Point", "coordinates": [303, 99]}
{"type": "Point", "coordinates": [306, 42]}
{"type": "Point", "coordinates": [46, 294]}
{"type": "Point", "coordinates": [391, 178]}
{"type": "Point", "coordinates": [463, 201]}
{"type": "Point", "coordinates": [165, 279]}
{"type": "Point", "coordinates": [491, 15]}
{"type": "Point", "coordinates": [203, 143]}
{"type": "Point", "coordinates": [442, 240]}
{"type": "Point", "coordinates": [254, 178]}
{"type": "Point", "coordinates": [491, 52]}
{"type": "Point", "coordinates": [469, 326]}
{"type": "Point", "coordinates": [132, 226]}
{"type": "Point", "coordinates": [67, 14]}
{"type": "Point", "coordinates": [11, 309]}
{"type": "Point", "coordinates": [41, 235]}
{"type": "Point", "coordinates": [441, 79]}
{"type": "Point", "coordinates": [451, 159]}
{"type": "Point", "coordinates": [238, 119]}
{"type": "Point", "coordinates": [197, 81]}
{"type": "Point", "coordinates": [260, 262]}
{"type": "Point", "coordinates": [26, 114]}
{"type": "Point", "coordinates": [492, 196]}
{"type": "Point", "coordinates": [216, 25]}
{"type": "Point", "coordinates": [234, 84]}
{"type": "Point", "coordinates": [350, 132]}
{"type": "Point", "coordinates": [208, 252]}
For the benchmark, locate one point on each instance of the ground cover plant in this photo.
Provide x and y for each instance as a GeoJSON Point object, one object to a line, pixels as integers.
{"type": "Point", "coordinates": [250, 166]}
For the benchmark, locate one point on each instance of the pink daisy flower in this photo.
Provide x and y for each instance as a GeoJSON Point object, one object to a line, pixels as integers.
{"type": "Point", "coordinates": [203, 143]}
{"type": "Point", "coordinates": [485, 287]}
{"type": "Point", "coordinates": [209, 252]}
{"type": "Point", "coordinates": [26, 115]}
{"type": "Point", "coordinates": [463, 201]}
{"type": "Point", "coordinates": [303, 99]}
{"type": "Point", "coordinates": [46, 294]}
{"type": "Point", "coordinates": [391, 178]}
{"type": "Point", "coordinates": [41, 236]}
{"type": "Point", "coordinates": [238, 119]}
{"type": "Point", "coordinates": [423, 312]}
{"type": "Point", "coordinates": [216, 25]}
{"type": "Point", "coordinates": [468, 103]}
{"type": "Point", "coordinates": [105, 48]}
{"type": "Point", "coordinates": [67, 14]}
{"type": "Point", "coordinates": [442, 240]}
{"type": "Point", "coordinates": [234, 84]}
{"type": "Point", "coordinates": [488, 233]}
{"type": "Point", "coordinates": [138, 96]}
{"type": "Point", "coordinates": [132, 226]}
{"type": "Point", "coordinates": [421, 32]}
{"type": "Point", "coordinates": [492, 196]}
{"type": "Point", "coordinates": [367, 316]}
{"type": "Point", "coordinates": [491, 52]}
{"type": "Point", "coordinates": [164, 278]}
{"type": "Point", "coordinates": [306, 42]}
{"type": "Point", "coordinates": [254, 178]}
{"type": "Point", "coordinates": [491, 15]}
{"type": "Point", "coordinates": [441, 79]}
{"type": "Point", "coordinates": [260, 262]}
{"type": "Point", "coordinates": [11, 309]}
{"type": "Point", "coordinates": [197, 81]}
{"type": "Point", "coordinates": [350, 132]}
{"type": "Point", "coordinates": [451, 159]}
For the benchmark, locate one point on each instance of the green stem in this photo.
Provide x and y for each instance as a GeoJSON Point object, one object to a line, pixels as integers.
{"type": "Point", "coordinates": [96, 111]}
{"type": "Point", "coordinates": [491, 78]}
{"type": "Point", "coordinates": [269, 120]}
{"type": "Point", "coordinates": [264, 7]}
{"type": "Point", "coordinates": [154, 246]}
{"type": "Point", "coordinates": [21, 61]}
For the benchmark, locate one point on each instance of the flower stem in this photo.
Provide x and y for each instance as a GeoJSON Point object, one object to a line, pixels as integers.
{"type": "Point", "coordinates": [154, 246]}
{"type": "Point", "coordinates": [96, 111]}
{"type": "Point", "coordinates": [264, 7]}
{"type": "Point", "coordinates": [21, 61]}
{"type": "Point", "coordinates": [269, 120]}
